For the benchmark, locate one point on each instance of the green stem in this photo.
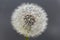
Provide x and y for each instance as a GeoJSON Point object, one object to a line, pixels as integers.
{"type": "Point", "coordinates": [26, 38]}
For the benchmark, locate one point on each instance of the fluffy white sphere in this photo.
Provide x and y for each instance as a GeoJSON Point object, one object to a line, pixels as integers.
{"type": "Point", "coordinates": [17, 19]}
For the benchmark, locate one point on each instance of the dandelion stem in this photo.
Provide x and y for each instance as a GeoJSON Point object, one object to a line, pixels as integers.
{"type": "Point", "coordinates": [26, 38]}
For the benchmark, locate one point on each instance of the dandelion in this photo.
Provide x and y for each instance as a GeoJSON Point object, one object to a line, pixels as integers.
{"type": "Point", "coordinates": [29, 20]}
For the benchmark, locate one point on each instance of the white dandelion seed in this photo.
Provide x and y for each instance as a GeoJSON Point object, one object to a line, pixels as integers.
{"type": "Point", "coordinates": [29, 19]}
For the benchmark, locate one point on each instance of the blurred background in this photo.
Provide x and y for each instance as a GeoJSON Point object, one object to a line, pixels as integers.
{"type": "Point", "coordinates": [52, 7]}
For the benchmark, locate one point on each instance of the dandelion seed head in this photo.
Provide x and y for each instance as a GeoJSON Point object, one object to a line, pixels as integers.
{"type": "Point", "coordinates": [29, 19]}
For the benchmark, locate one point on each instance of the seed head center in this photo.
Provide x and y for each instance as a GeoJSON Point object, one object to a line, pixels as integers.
{"type": "Point", "coordinates": [29, 20]}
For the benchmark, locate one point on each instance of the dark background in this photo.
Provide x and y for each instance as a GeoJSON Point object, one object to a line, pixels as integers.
{"type": "Point", "coordinates": [52, 8]}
